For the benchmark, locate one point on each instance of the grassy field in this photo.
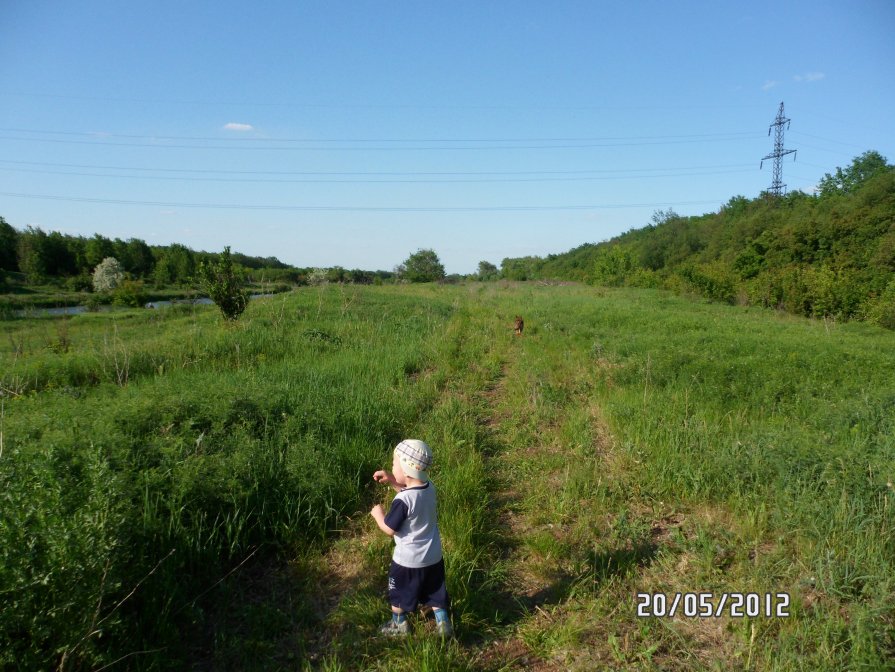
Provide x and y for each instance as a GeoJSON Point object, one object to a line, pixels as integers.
{"type": "Point", "coordinates": [180, 493]}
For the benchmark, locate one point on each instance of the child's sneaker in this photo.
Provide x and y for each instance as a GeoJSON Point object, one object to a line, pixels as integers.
{"type": "Point", "coordinates": [392, 629]}
{"type": "Point", "coordinates": [444, 629]}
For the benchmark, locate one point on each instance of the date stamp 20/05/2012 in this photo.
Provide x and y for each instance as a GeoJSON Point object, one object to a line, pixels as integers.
{"type": "Point", "coordinates": [713, 605]}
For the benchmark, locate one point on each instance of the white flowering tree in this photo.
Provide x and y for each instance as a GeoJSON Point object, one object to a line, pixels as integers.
{"type": "Point", "coordinates": [317, 276]}
{"type": "Point", "coordinates": [107, 275]}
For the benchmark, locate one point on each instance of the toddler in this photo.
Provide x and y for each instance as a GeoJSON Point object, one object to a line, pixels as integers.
{"type": "Point", "coordinates": [416, 574]}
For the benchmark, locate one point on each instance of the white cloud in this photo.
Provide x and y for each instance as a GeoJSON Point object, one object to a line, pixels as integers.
{"type": "Point", "coordinates": [810, 77]}
{"type": "Point", "coordinates": [768, 85]}
{"type": "Point", "coordinates": [234, 126]}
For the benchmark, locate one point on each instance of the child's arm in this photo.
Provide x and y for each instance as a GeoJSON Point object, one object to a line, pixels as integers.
{"type": "Point", "coordinates": [386, 477]}
{"type": "Point", "coordinates": [379, 516]}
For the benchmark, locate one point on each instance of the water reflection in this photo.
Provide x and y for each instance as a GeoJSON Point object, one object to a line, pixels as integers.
{"type": "Point", "coordinates": [77, 310]}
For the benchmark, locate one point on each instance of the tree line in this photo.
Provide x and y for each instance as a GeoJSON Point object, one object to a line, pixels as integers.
{"type": "Point", "coordinates": [831, 254]}
{"type": "Point", "coordinates": [67, 261]}
{"type": "Point", "coordinates": [56, 257]}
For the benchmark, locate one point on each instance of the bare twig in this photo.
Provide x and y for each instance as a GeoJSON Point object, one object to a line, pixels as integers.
{"type": "Point", "coordinates": [132, 653]}
{"type": "Point", "coordinates": [3, 392]}
{"type": "Point", "coordinates": [128, 596]}
{"type": "Point", "coordinates": [102, 585]}
{"type": "Point", "coordinates": [15, 391]}
{"type": "Point", "coordinates": [646, 380]}
{"type": "Point", "coordinates": [90, 629]}
{"type": "Point", "coordinates": [94, 626]}
{"type": "Point", "coordinates": [219, 581]}
{"type": "Point", "coordinates": [115, 353]}
{"type": "Point", "coordinates": [346, 302]}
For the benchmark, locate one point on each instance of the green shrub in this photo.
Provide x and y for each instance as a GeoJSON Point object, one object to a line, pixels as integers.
{"type": "Point", "coordinates": [881, 310]}
{"type": "Point", "coordinates": [93, 302]}
{"type": "Point", "coordinates": [715, 281]}
{"type": "Point", "coordinates": [62, 522]}
{"type": "Point", "coordinates": [129, 293]}
{"type": "Point", "coordinates": [224, 285]}
{"type": "Point", "coordinates": [79, 283]}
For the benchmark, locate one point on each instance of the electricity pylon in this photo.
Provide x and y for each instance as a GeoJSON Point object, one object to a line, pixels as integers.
{"type": "Point", "coordinates": [777, 186]}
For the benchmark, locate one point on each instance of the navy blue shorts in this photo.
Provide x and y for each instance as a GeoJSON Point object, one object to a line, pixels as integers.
{"type": "Point", "coordinates": [410, 586]}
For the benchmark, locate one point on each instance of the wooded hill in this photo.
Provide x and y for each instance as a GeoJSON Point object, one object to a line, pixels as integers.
{"type": "Point", "coordinates": [827, 255]}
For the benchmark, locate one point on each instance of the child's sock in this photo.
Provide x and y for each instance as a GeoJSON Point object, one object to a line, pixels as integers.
{"type": "Point", "coordinates": [397, 619]}
{"type": "Point", "coordinates": [441, 615]}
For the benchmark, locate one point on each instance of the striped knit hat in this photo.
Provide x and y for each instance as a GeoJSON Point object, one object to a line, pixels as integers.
{"type": "Point", "coordinates": [415, 457]}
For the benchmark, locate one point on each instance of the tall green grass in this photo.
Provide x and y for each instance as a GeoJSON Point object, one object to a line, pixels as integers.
{"type": "Point", "coordinates": [160, 471]}
{"type": "Point", "coordinates": [782, 429]}
{"type": "Point", "coordinates": [128, 497]}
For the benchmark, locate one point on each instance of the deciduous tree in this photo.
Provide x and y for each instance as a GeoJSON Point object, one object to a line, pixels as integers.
{"type": "Point", "coordinates": [8, 241]}
{"type": "Point", "coordinates": [487, 271]}
{"type": "Point", "coordinates": [96, 249]}
{"type": "Point", "coordinates": [422, 266]}
{"type": "Point", "coordinates": [32, 254]}
{"type": "Point", "coordinates": [861, 169]}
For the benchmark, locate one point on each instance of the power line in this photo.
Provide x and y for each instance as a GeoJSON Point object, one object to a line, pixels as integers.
{"type": "Point", "coordinates": [835, 142]}
{"type": "Point", "coordinates": [428, 148]}
{"type": "Point", "coordinates": [316, 208]}
{"type": "Point", "coordinates": [130, 136]}
{"type": "Point", "coordinates": [243, 180]}
{"type": "Point", "coordinates": [213, 171]}
{"type": "Point", "coordinates": [826, 150]}
{"type": "Point", "coordinates": [363, 106]}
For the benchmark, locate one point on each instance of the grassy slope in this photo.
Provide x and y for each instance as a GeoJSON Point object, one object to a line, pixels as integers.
{"type": "Point", "coordinates": [745, 452]}
{"type": "Point", "coordinates": [630, 441]}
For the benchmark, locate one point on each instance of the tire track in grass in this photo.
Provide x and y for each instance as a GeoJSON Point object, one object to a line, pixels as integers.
{"type": "Point", "coordinates": [350, 575]}
{"type": "Point", "coordinates": [539, 556]}
{"type": "Point", "coordinates": [561, 488]}
{"type": "Point", "coordinates": [583, 535]}
{"type": "Point", "coordinates": [537, 582]}
{"type": "Point", "coordinates": [574, 532]}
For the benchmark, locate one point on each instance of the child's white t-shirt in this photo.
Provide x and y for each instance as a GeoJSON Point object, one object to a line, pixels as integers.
{"type": "Point", "coordinates": [414, 519]}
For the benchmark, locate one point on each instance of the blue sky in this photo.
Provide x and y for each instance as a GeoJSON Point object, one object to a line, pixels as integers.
{"type": "Point", "coordinates": [355, 133]}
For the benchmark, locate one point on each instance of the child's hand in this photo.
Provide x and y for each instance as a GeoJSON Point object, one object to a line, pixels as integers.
{"type": "Point", "coordinates": [382, 477]}
{"type": "Point", "coordinates": [377, 512]}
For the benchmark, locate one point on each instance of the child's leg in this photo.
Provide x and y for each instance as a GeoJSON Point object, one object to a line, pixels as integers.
{"type": "Point", "coordinates": [435, 594]}
{"type": "Point", "coordinates": [401, 589]}
{"type": "Point", "coordinates": [441, 615]}
{"type": "Point", "coordinates": [398, 615]}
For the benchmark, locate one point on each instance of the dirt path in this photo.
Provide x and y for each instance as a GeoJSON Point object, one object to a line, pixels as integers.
{"type": "Point", "coordinates": [533, 415]}
{"type": "Point", "coordinates": [571, 536]}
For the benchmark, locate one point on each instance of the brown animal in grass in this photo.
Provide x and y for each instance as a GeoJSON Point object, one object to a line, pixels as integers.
{"type": "Point", "coordinates": [518, 325]}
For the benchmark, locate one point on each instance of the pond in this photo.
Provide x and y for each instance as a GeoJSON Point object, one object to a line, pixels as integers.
{"type": "Point", "coordinates": [77, 310]}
